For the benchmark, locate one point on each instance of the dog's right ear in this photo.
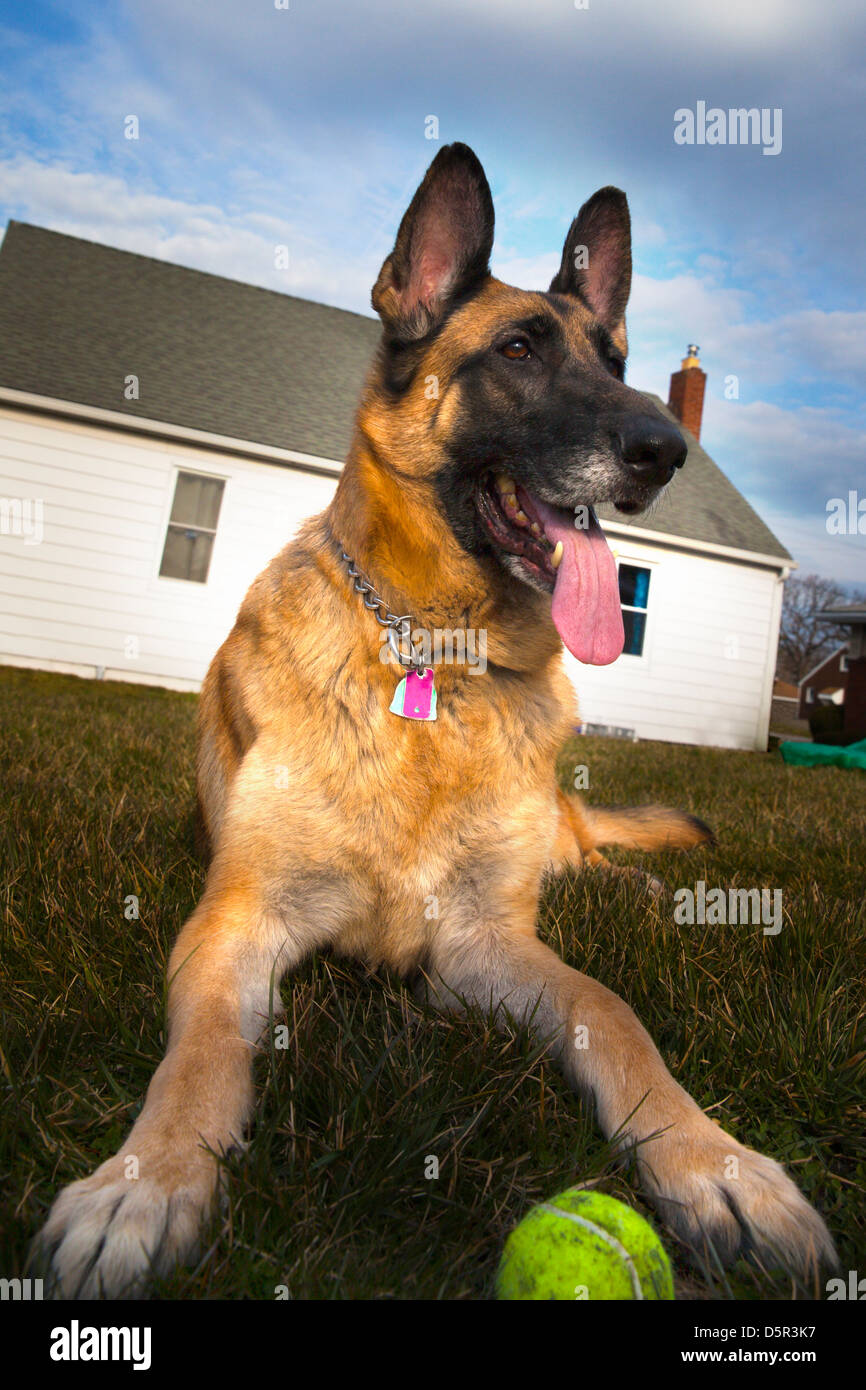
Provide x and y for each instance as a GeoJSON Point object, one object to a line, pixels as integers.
{"type": "Point", "coordinates": [442, 248]}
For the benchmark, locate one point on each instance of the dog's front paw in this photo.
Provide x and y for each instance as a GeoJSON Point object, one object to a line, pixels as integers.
{"type": "Point", "coordinates": [108, 1234]}
{"type": "Point", "coordinates": [725, 1199]}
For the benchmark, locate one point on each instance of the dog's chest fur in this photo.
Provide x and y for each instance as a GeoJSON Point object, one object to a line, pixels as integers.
{"type": "Point", "coordinates": [377, 827]}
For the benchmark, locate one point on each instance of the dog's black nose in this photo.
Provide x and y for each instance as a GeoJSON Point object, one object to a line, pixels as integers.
{"type": "Point", "coordinates": [652, 448]}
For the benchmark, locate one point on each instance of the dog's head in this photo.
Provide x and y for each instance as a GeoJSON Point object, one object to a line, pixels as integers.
{"type": "Point", "coordinates": [512, 404]}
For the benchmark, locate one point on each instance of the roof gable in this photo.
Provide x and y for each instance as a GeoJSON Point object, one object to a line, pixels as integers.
{"type": "Point", "coordinates": [829, 663]}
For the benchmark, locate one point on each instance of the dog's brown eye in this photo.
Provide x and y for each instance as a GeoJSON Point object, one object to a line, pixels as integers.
{"type": "Point", "coordinates": [515, 349]}
{"type": "Point", "coordinates": [617, 366]}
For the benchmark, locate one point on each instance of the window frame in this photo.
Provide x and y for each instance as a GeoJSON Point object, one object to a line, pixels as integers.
{"type": "Point", "coordinates": [189, 586]}
{"type": "Point", "coordinates": [639, 562]}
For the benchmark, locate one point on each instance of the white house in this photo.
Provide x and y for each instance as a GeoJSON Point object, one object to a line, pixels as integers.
{"type": "Point", "coordinates": [163, 432]}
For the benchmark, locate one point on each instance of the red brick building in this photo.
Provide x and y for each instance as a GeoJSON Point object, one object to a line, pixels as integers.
{"type": "Point", "coordinates": [845, 669]}
{"type": "Point", "coordinates": [828, 677]}
{"type": "Point", "coordinates": [851, 618]}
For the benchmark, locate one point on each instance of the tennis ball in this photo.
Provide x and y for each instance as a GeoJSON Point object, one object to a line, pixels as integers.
{"type": "Point", "coordinates": [584, 1244]}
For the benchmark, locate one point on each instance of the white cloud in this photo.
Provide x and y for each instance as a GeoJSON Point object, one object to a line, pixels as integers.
{"type": "Point", "coordinates": [790, 463]}
{"type": "Point", "coordinates": [103, 208]}
{"type": "Point", "coordinates": [526, 272]}
{"type": "Point", "coordinates": [808, 348]}
{"type": "Point", "coordinates": [842, 558]}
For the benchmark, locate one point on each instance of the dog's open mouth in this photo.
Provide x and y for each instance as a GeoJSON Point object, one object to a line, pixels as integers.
{"type": "Point", "coordinates": [510, 516]}
{"type": "Point", "coordinates": [567, 553]}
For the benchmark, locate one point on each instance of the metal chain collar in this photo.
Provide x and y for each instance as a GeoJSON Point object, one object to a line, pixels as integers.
{"type": "Point", "coordinates": [399, 626]}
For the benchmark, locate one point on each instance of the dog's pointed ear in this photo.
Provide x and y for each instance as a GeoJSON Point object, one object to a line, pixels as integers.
{"type": "Point", "coordinates": [596, 258]}
{"type": "Point", "coordinates": [442, 248]}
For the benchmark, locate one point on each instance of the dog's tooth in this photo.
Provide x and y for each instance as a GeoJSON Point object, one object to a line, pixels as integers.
{"type": "Point", "coordinates": [556, 557]}
{"type": "Point", "coordinates": [510, 501]}
{"type": "Point", "coordinates": [521, 516]}
{"type": "Point", "coordinates": [535, 529]}
{"type": "Point", "coordinates": [504, 483]}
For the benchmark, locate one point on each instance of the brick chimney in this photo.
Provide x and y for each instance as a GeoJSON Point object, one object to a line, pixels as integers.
{"type": "Point", "coordinates": [687, 391]}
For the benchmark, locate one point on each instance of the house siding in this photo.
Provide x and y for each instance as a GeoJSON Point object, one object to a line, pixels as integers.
{"type": "Point", "coordinates": [88, 598]}
{"type": "Point", "coordinates": [706, 672]}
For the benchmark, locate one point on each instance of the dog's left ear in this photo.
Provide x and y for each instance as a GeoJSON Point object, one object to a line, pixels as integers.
{"type": "Point", "coordinates": [442, 248]}
{"type": "Point", "coordinates": [596, 258]}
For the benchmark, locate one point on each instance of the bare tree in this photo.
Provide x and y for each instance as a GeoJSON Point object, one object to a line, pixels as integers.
{"type": "Point", "coordinates": [805, 638]}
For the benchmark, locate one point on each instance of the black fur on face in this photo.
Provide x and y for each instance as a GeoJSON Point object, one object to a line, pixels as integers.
{"type": "Point", "coordinates": [557, 419]}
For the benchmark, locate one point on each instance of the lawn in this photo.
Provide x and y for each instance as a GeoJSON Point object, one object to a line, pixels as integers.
{"type": "Point", "coordinates": [331, 1199]}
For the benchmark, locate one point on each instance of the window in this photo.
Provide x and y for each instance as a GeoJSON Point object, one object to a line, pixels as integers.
{"type": "Point", "coordinates": [810, 694]}
{"type": "Point", "coordinates": [843, 664]}
{"type": "Point", "coordinates": [633, 595]}
{"type": "Point", "coordinates": [192, 527]}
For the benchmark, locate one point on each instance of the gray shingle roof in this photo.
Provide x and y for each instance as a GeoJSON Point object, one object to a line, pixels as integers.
{"type": "Point", "coordinates": [218, 355]}
{"type": "Point", "coordinates": [211, 354]}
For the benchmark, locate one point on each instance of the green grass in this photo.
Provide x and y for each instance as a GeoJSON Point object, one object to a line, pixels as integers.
{"type": "Point", "coordinates": [330, 1199]}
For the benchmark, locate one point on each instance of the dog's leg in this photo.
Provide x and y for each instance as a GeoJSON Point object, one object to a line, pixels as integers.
{"type": "Point", "coordinates": [706, 1185]}
{"type": "Point", "coordinates": [142, 1209]}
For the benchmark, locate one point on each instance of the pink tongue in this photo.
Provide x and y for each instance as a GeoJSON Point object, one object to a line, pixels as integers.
{"type": "Point", "coordinates": [586, 608]}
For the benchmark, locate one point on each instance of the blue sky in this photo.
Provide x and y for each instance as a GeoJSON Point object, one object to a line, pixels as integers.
{"type": "Point", "coordinates": [305, 127]}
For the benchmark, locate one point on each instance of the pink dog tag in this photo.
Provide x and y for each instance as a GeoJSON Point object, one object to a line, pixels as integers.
{"type": "Point", "coordinates": [415, 697]}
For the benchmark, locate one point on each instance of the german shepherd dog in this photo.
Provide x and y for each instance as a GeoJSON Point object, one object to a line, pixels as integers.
{"type": "Point", "coordinates": [491, 423]}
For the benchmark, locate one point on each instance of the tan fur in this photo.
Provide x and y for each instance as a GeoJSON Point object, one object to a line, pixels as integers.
{"type": "Point", "coordinates": [333, 823]}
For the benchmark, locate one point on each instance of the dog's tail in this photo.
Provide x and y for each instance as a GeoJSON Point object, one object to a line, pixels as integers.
{"type": "Point", "coordinates": [645, 827]}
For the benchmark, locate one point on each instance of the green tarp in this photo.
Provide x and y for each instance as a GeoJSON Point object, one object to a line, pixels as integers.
{"type": "Point", "coordinates": [823, 755]}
